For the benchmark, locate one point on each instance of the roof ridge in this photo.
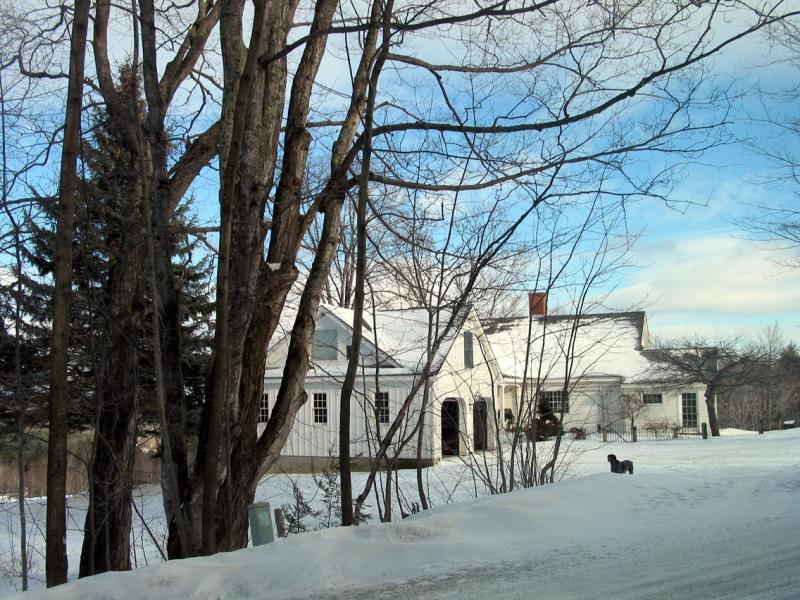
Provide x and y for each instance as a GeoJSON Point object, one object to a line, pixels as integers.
{"type": "Point", "coordinates": [566, 316]}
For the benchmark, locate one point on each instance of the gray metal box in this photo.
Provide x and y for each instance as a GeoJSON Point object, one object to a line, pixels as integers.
{"type": "Point", "coordinates": [260, 523]}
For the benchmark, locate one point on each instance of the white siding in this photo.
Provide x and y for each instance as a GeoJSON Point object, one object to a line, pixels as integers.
{"type": "Point", "coordinates": [594, 403]}
{"type": "Point", "coordinates": [308, 438]}
{"type": "Point", "coordinates": [468, 384]}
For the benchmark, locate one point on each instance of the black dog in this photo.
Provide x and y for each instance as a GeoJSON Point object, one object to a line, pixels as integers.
{"type": "Point", "coordinates": [620, 466]}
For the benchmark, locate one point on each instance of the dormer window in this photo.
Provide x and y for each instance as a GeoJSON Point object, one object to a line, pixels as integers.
{"type": "Point", "coordinates": [324, 346]}
{"type": "Point", "coordinates": [468, 356]}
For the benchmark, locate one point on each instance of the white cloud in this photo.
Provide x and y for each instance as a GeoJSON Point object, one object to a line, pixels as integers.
{"type": "Point", "coordinates": [717, 282]}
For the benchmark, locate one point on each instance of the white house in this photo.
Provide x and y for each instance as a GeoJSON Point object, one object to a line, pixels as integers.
{"type": "Point", "coordinates": [457, 410]}
{"type": "Point", "coordinates": [589, 366]}
{"type": "Point", "coordinates": [594, 367]}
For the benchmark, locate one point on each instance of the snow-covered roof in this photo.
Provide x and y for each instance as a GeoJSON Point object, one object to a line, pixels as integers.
{"type": "Point", "coordinates": [403, 333]}
{"type": "Point", "coordinates": [400, 334]}
{"type": "Point", "coordinates": [600, 345]}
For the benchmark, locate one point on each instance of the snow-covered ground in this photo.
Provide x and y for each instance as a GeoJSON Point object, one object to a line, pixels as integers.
{"type": "Point", "coordinates": [699, 519]}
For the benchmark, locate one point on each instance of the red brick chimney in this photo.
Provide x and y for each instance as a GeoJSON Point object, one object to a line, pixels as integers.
{"type": "Point", "coordinates": [537, 303]}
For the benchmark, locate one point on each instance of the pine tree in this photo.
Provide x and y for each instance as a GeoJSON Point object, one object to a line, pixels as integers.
{"type": "Point", "coordinates": [111, 368]}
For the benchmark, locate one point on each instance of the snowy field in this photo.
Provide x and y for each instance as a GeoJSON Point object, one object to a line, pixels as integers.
{"type": "Point", "coordinates": [699, 519]}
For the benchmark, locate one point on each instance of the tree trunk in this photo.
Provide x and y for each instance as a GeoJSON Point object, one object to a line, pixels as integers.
{"type": "Point", "coordinates": [238, 488]}
{"type": "Point", "coordinates": [254, 289]}
{"type": "Point", "coordinates": [56, 558]}
{"type": "Point", "coordinates": [358, 319]}
{"type": "Point", "coordinates": [246, 179]}
{"type": "Point", "coordinates": [108, 520]}
{"type": "Point", "coordinates": [387, 493]}
{"type": "Point", "coordinates": [107, 529]}
{"type": "Point", "coordinates": [711, 405]}
{"type": "Point", "coordinates": [164, 289]}
{"type": "Point", "coordinates": [423, 497]}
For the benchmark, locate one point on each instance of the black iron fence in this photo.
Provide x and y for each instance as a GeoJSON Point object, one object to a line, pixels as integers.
{"type": "Point", "coordinates": [623, 431]}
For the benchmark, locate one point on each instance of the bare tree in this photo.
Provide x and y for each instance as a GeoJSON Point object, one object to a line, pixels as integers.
{"type": "Point", "coordinates": [57, 446]}
{"type": "Point", "coordinates": [575, 131]}
{"type": "Point", "coordinates": [776, 218]}
{"type": "Point", "coordinates": [771, 395]}
{"type": "Point", "coordinates": [630, 407]}
{"type": "Point", "coordinates": [20, 391]}
{"type": "Point", "coordinates": [721, 365]}
{"type": "Point", "coordinates": [586, 90]}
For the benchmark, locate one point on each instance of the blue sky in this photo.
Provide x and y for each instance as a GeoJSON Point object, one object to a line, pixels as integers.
{"type": "Point", "coordinates": [696, 270]}
{"type": "Point", "coordinates": [699, 270]}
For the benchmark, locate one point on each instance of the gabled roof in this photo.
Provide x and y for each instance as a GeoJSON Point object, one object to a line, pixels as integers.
{"type": "Point", "coordinates": [401, 336]}
{"type": "Point", "coordinates": [599, 345]}
{"type": "Point", "coordinates": [403, 333]}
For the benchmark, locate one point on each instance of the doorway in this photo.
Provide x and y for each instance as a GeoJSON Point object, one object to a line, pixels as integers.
{"type": "Point", "coordinates": [450, 417]}
{"type": "Point", "coordinates": [479, 414]}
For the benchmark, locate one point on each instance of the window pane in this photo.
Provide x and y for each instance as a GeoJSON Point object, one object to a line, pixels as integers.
{"type": "Point", "coordinates": [468, 360]}
{"type": "Point", "coordinates": [320, 408]}
{"type": "Point", "coordinates": [689, 409]}
{"type": "Point", "coordinates": [324, 345]}
{"type": "Point", "coordinates": [652, 399]}
{"type": "Point", "coordinates": [263, 409]}
{"type": "Point", "coordinates": [382, 405]}
{"type": "Point", "coordinates": [555, 400]}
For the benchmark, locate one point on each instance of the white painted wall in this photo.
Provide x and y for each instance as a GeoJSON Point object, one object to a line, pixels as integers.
{"type": "Point", "coordinates": [309, 438]}
{"type": "Point", "coordinates": [468, 384]}
{"type": "Point", "coordinates": [593, 403]}
{"type": "Point", "coordinates": [453, 380]}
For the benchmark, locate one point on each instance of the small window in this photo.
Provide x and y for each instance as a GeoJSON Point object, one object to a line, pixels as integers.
{"type": "Point", "coordinates": [263, 408]}
{"type": "Point", "coordinates": [468, 358]}
{"type": "Point", "coordinates": [556, 400]}
{"type": "Point", "coordinates": [382, 406]}
{"type": "Point", "coordinates": [324, 345]}
{"type": "Point", "coordinates": [320, 408]}
{"type": "Point", "coordinates": [652, 399]}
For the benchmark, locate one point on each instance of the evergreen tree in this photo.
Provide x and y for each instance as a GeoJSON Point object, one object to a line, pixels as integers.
{"type": "Point", "coordinates": [111, 358]}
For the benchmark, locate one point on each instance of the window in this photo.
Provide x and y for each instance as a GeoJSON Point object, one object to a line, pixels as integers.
{"type": "Point", "coordinates": [555, 400]}
{"type": "Point", "coordinates": [324, 345]}
{"type": "Point", "coordinates": [689, 410]}
{"type": "Point", "coordinates": [263, 408]}
{"type": "Point", "coordinates": [320, 408]}
{"type": "Point", "coordinates": [652, 399]}
{"type": "Point", "coordinates": [468, 361]}
{"type": "Point", "coordinates": [382, 406]}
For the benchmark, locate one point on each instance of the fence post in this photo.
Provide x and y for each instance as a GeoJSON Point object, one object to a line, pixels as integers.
{"type": "Point", "coordinates": [633, 433]}
{"type": "Point", "coordinates": [280, 523]}
{"type": "Point", "coordinates": [705, 431]}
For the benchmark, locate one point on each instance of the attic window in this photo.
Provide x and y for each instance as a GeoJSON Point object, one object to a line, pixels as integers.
{"type": "Point", "coordinates": [324, 346]}
{"type": "Point", "coordinates": [468, 357]}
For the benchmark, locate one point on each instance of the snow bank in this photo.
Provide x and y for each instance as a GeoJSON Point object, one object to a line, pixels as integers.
{"type": "Point", "coordinates": [698, 520]}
